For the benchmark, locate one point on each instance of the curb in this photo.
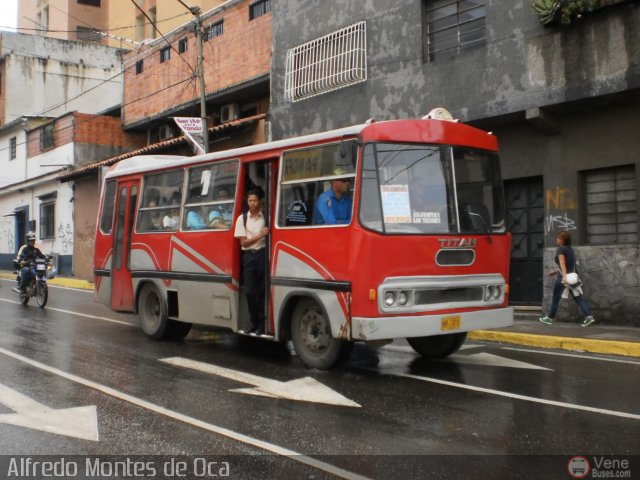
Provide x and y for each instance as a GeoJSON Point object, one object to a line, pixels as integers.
{"type": "Point", "coordinates": [606, 347]}
{"type": "Point", "coordinates": [59, 281]}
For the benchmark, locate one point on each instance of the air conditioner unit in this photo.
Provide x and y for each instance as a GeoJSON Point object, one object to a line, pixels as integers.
{"type": "Point", "coordinates": [228, 112]}
{"type": "Point", "coordinates": [165, 132]}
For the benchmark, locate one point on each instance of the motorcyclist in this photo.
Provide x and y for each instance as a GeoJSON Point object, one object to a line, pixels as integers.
{"type": "Point", "coordinates": [26, 255]}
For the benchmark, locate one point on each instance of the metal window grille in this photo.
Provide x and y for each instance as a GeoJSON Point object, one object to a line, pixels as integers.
{"type": "Point", "coordinates": [13, 143]}
{"type": "Point", "coordinates": [47, 220]}
{"type": "Point", "coordinates": [85, 34]}
{"type": "Point", "coordinates": [328, 63]}
{"type": "Point", "coordinates": [454, 25]}
{"type": "Point", "coordinates": [165, 54]}
{"type": "Point", "coordinates": [46, 137]}
{"type": "Point", "coordinates": [214, 30]}
{"type": "Point", "coordinates": [611, 205]}
{"type": "Point", "coordinates": [259, 8]}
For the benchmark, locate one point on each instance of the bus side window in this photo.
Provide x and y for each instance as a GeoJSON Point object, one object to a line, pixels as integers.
{"type": "Point", "coordinates": [298, 204]}
{"type": "Point", "coordinates": [106, 219]}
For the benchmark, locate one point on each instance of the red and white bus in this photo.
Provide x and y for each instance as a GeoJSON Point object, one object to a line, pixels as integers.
{"type": "Point", "coordinates": [424, 254]}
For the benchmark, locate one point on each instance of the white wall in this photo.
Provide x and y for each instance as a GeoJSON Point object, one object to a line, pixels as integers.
{"type": "Point", "coordinates": [46, 76]}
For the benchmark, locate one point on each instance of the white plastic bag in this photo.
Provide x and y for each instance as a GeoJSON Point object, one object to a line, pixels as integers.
{"type": "Point", "coordinates": [572, 278]}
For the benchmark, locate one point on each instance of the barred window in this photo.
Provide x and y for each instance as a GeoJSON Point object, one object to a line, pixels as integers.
{"type": "Point", "coordinates": [46, 137]}
{"type": "Point", "coordinates": [328, 63]}
{"type": "Point", "coordinates": [86, 34]}
{"type": "Point", "coordinates": [453, 25]}
{"type": "Point", "coordinates": [259, 8]}
{"type": "Point", "coordinates": [214, 30]}
{"type": "Point", "coordinates": [611, 205]}
{"type": "Point", "coordinates": [13, 146]}
{"type": "Point", "coordinates": [47, 219]}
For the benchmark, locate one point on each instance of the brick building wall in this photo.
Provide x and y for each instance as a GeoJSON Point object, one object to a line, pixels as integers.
{"type": "Point", "coordinates": [242, 52]}
{"type": "Point", "coordinates": [86, 129]}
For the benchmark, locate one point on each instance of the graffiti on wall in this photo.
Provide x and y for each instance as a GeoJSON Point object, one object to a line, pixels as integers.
{"type": "Point", "coordinates": [559, 201]}
{"type": "Point", "coordinates": [65, 234]}
{"type": "Point", "coordinates": [85, 236]}
{"type": "Point", "coordinates": [554, 223]}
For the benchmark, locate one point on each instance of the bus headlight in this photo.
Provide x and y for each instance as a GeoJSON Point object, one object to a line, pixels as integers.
{"type": "Point", "coordinates": [403, 298]}
{"type": "Point", "coordinates": [497, 293]}
{"type": "Point", "coordinates": [488, 293]}
{"type": "Point", "coordinates": [389, 298]}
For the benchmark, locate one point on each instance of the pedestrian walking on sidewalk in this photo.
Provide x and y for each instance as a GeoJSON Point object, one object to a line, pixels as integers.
{"type": "Point", "coordinates": [566, 261]}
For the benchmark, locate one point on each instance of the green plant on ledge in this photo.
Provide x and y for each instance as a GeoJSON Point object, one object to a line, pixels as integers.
{"type": "Point", "coordinates": [563, 11]}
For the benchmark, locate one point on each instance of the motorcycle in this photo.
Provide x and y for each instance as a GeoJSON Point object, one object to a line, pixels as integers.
{"type": "Point", "coordinates": [41, 270]}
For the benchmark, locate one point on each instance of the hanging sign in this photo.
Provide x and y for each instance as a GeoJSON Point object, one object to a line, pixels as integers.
{"type": "Point", "coordinates": [192, 129]}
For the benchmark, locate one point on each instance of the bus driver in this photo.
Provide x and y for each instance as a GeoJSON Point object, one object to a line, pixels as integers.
{"type": "Point", "coordinates": [334, 205]}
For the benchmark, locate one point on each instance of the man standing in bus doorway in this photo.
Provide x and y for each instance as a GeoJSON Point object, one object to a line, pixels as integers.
{"type": "Point", "coordinates": [251, 230]}
{"type": "Point", "coordinates": [333, 207]}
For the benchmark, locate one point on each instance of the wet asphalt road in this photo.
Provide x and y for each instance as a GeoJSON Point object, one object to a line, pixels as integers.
{"type": "Point", "coordinates": [489, 412]}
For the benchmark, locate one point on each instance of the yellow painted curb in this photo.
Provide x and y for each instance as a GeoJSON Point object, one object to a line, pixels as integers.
{"type": "Point", "coordinates": [72, 283]}
{"type": "Point", "coordinates": [60, 281]}
{"type": "Point", "coordinates": [607, 347]}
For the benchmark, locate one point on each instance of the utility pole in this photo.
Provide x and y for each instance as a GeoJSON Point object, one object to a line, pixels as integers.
{"type": "Point", "coordinates": [203, 104]}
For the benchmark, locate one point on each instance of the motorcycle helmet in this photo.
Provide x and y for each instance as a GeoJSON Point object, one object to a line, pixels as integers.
{"type": "Point", "coordinates": [30, 236]}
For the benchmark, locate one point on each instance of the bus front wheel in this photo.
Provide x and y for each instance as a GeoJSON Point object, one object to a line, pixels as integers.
{"type": "Point", "coordinates": [312, 339]}
{"type": "Point", "coordinates": [438, 346]}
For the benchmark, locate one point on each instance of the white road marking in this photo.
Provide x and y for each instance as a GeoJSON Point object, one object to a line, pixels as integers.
{"type": "Point", "coordinates": [303, 389]}
{"type": "Point", "coordinates": [77, 422]}
{"type": "Point", "coordinates": [488, 359]}
{"type": "Point", "coordinates": [483, 358]}
{"type": "Point", "coordinates": [94, 317]}
{"type": "Point", "coordinates": [269, 447]}
{"type": "Point", "coordinates": [581, 356]}
{"type": "Point", "coordinates": [516, 396]}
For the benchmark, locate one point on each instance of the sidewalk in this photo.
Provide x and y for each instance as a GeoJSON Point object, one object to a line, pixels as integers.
{"type": "Point", "coordinates": [597, 338]}
{"type": "Point", "coordinates": [526, 331]}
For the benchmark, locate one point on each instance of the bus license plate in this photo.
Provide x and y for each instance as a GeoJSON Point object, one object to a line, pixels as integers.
{"type": "Point", "coordinates": [450, 322]}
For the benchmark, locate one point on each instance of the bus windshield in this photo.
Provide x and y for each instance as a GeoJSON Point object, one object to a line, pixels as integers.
{"type": "Point", "coordinates": [408, 188]}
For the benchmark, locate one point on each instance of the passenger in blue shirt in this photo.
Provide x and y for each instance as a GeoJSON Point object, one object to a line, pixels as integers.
{"type": "Point", "coordinates": [333, 207]}
{"type": "Point", "coordinates": [195, 221]}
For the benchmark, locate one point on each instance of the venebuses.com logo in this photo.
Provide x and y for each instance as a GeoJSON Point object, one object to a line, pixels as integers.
{"type": "Point", "coordinates": [598, 467]}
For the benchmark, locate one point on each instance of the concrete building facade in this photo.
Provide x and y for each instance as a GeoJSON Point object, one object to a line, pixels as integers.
{"type": "Point", "coordinates": [62, 215]}
{"type": "Point", "coordinates": [561, 98]}
{"type": "Point", "coordinates": [46, 76]}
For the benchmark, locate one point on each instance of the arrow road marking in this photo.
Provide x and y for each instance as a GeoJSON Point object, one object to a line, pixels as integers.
{"type": "Point", "coordinates": [152, 407]}
{"type": "Point", "coordinates": [491, 360]}
{"type": "Point", "coordinates": [78, 422]}
{"type": "Point", "coordinates": [304, 389]}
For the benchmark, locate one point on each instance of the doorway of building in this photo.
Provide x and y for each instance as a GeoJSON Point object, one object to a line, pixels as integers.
{"type": "Point", "coordinates": [22, 226]}
{"type": "Point", "coordinates": [525, 221]}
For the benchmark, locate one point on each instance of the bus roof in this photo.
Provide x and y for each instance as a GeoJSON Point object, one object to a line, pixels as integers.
{"type": "Point", "coordinates": [407, 129]}
{"type": "Point", "coordinates": [145, 163]}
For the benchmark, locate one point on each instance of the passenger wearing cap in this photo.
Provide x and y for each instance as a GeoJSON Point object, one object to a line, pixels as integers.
{"type": "Point", "coordinates": [333, 206]}
{"type": "Point", "coordinates": [26, 255]}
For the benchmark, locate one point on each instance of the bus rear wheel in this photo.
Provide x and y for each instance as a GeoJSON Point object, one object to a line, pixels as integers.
{"type": "Point", "coordinates": [312, 339]}
{"type": "Point", "coordinates": [438, 346]}
{"type": "Point", "coordinates": [152, 312]}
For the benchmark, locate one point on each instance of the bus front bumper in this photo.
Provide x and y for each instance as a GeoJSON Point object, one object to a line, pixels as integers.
{"type": "Point", "coordinates": [384, 328]}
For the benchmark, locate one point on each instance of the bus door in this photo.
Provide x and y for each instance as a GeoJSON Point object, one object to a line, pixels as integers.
{"type": "Point", "coordinates": [261, 175]}
{"type": "Point", "coordinates": [122, 298]}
